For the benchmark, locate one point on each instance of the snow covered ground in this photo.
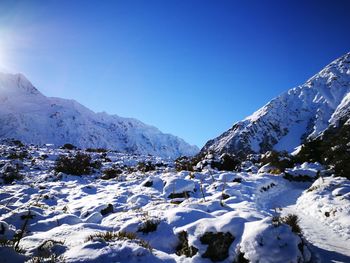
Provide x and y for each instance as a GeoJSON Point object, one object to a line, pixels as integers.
{"type": "Point", "coordinates": [163, 215]}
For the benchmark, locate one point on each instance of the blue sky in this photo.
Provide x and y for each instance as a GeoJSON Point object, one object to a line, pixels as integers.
{"type": "Point", "coordinates": [191, 68]}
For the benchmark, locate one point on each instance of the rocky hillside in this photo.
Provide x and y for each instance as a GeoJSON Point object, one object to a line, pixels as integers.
{"type": "Point", "coordinates": [296, 116]}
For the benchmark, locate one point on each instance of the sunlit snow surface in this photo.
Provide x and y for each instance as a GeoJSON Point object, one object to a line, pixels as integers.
{"type": "Point", "coordinates": [68, 209]}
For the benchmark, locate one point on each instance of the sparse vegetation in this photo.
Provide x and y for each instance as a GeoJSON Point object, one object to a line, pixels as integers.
{"type": "Point", "coordinates": [9, 173]}
{"type": "Point", "coordinates": [290, 219]}
{"type": "Point", "coordinates": [185, 194]}
{"type": "Point", "coordinates": [313, 188]}
{"type": "Point", "coordinates": [113, 236]}
{"type": "Point", "coordinates": [109, 209]}
{"type": "Point", "coordinates": [11, 244]}
{"type": "Point", "coordinates": [332, 149]}
{"type": "Point", "coordinates": [78, 164]}
{"type": "Point", "coordinates": [183, 248]}
{"type": "Point", "coordinates": [269, 186]}
{"type": "Point", "coordinates": [145, 167]}
{"type": "Point", "coordinates": [183, 163]}
{"type": "Point", "coordinates": [226, 162]}
{"type": "Point", "coordinates": [279, 160]}
{"type": "Point", "coordinates": [299, 178]}
{"type": "Point", "coordinates": [96, 150]}
{"type": "Point", "coordinates": [148, 183]}
{"type": "Point", "coordinates": [218, 245]}
{"type": "Point", "coordinates": [68, 146]}
{"type": "Point", "coordinates": [50, 259]}
{"type": "Point", "coordinates": [111, 173]}
{"type": "Point", "coordinates": [17, 143]}
{"type": "Point", "coordinates": [19, 154]}
{"type": "Point", "coordinates": [150, 225]}
{"type": "Point", "coordinates": [46, 253]}
{"type": "Point", "coordinates": [96, 164]}
{"type": "Point", "coordinates": [89, 197]}
{"type": "Point", "coordinates": [237, 180]}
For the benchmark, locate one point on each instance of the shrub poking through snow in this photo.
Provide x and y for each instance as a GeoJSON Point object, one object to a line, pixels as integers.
{"type": "Point", "coordinates": [145, 167]}
{"type": "Point", "coordinates": [11, 244]}
{"type": "Point", "coordinates": [185, 194]}
{"type": "Point", "coordinates": [78, 164]}
{"type": "Point", "coordinates": [50, 249]}
{"type": "Point", "coordinates": [96, 164]}
{"type": "Point", "coordinates": [279, 160]}
{"type": "Point", "coordinates": [148, 183]}
{"type": "Point", "coordinates": [109, 236]}
{"type": "Point", "coordinates": [13, 142]}
{"type": "Point", "coordinates": [331, 149]}
{"type": "Point", "coordinates": [298, 178]}
{"type": "Point", "coordinates": [18, 154]}
{"type": "Point", "coordinates": [51, 259]}
{"type": "Point", "coordinates": [312, 188]}
{"type": "Point", "coordinates": [96, 150]}
{"type": "Point", "coordinates": [114, 236]}
{"type": "Point", "coordinates": [290, 219]}
{"type": "Point", "coordinates": [237, 180]}
{"type": "Point", "coordinates": [150, 225]}
{"type": "Point", "coordinates": [178, 188]}
{"type": "Point", "coordinates": [109, 209]}
{"type": "Point", "coordinates": [226, 162]}
{"type": "Point", "coordinates": [266, 188]}
{"type": "Point", "coordinates": [306, 172]}
{"type": "Point", "coordinates": [68, 146]}
{"type": "Point", "coordinates": [183, 248]}
{"type": "Point", "coordinates": [218, 245]}
{"type": "Point", "coordinates": [183, 163]}
{"type": "Point", "coordinates": [10, 173]}
{"type": "Point", "coordinates": [111, 173]}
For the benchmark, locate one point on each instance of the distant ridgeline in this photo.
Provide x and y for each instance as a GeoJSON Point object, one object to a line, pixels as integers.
{"type": "Point", "coordinates": [29, 116]}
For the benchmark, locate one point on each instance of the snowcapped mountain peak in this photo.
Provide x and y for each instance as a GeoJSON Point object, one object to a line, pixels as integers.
{"type": "Point", "coordinates": [333, 81]}
{"type": "Point", "coordinates": [31, 117]}
{"type": "Point", "coordinates": [16, 83]}
{"type": "Point", "coordinates": [287, 121]}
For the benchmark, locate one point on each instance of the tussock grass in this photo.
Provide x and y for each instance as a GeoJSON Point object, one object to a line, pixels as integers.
{"type": "Point", "coordinates": [114, 236]}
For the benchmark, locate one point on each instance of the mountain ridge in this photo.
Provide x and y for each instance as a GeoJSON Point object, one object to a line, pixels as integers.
{"type": "Point", "coordinates": [28, 115]}
{"type": "Point", "coordinates": [299, 114]}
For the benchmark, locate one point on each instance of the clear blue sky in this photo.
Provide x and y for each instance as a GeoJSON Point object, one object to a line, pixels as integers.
{"type": "Point", "coordinates": [190, 68]}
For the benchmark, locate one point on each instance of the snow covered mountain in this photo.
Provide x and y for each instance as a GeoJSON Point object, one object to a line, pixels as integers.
{"type": "Point", "coordinates": [31, 117]}
{"type": "Point", "coordinates": [300, 114]}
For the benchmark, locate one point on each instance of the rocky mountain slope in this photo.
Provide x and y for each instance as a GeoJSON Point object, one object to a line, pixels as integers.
{"type": "Point", "coordinates": [31, 117]}
{"type": "Point", "coordinates": [300, 114]}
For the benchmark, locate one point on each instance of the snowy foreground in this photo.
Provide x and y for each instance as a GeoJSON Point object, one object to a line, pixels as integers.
{"type": "Point", "coordinates": [168, 216]}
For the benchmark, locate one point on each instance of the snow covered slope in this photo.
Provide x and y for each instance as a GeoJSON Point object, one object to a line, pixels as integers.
{"type": "Point", "coordinates": [300, 113]}
{"type": "Point", "coordinates": [28, 115]}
